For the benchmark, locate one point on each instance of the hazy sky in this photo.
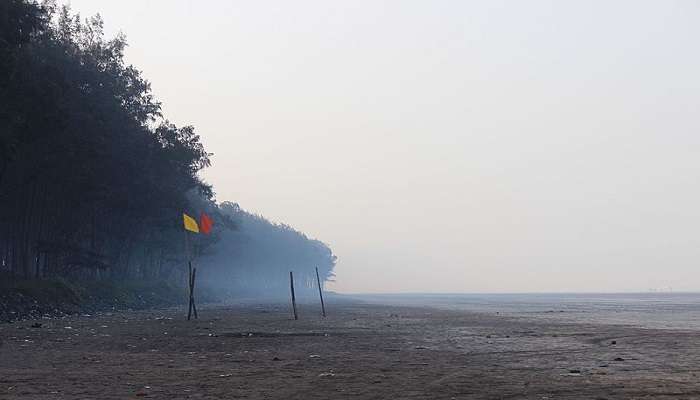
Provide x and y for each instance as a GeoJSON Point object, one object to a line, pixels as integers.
{"type": "Point", "coordinates": [462, 146]}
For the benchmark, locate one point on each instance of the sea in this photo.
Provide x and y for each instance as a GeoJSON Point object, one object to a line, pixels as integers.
{"type": "Point", "coordinates": [646, 310]}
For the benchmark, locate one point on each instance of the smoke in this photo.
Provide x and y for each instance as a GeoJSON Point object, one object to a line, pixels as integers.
{"type": "Point", "coordinates": [252, 257]}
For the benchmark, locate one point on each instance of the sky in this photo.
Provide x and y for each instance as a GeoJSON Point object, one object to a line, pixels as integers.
{"type": "Point", "coordinates": [446, 146]}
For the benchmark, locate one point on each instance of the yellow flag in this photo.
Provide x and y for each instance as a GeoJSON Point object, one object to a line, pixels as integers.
{"type": "Point", "coordinates": [190, 223]}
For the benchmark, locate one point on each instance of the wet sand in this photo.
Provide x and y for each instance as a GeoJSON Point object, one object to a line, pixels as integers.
{"type": "Point", "coordinates": [360, 351]}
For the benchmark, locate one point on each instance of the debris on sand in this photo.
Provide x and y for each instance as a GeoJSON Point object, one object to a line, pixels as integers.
{"type": "Point", "coordinates": [619, 359]}
{"type": "Point", "coordinates": [36, 325]}
{"type": "Point", "coordinates": [326, 374]}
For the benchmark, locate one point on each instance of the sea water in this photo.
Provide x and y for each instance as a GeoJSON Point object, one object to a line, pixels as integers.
{"type": "Point", "coordinates": [646, 310]}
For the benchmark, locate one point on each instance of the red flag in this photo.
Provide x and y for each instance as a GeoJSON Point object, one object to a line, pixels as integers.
{"type": "Point", "coordinates": [205, 223]}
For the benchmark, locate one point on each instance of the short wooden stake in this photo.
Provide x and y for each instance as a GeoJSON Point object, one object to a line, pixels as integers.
{"type": "Point", "coordinates": [320, 293]}
{"type": "Point", "coordinates": [294, 300]}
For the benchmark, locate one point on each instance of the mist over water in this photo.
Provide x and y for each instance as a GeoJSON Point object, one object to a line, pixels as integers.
{"type": "Point", "coordinates": [648, 310]}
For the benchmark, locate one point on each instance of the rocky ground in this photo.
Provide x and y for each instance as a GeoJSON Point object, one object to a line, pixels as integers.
{"type": "Point", "coordinates": [359, 351]}
{"type": "Point", "coordinates": [33, 299]}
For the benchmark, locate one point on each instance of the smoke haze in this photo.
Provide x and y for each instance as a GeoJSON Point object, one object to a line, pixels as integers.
{"type": "Point", "coordinates": [253, 257]}
{"type": "Point", "coordinates": [490, 146]}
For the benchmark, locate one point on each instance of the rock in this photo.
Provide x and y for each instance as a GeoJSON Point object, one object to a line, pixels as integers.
{"type": "Point", "coordinates": [276, 359]}
{"type": "Point", "coordinates": [613, 342]}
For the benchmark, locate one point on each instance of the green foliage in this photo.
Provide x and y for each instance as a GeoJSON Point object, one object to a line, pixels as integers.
{"type": "Point", "coordinates": [93, 178]}
{"type": "Point", "coordinates": [91, 175]}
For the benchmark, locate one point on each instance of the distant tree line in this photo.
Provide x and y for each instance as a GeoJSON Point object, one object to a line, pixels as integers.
{"type": "Point", "coordinates": [263, 253]}
{"type": "Point", "coordinates": [93, 178]}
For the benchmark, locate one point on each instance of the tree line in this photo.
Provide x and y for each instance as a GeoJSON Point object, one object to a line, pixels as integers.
{"type": "Point", "coordinates": [263, 253]}
{"type": "Point", "coordinates": [93, 178]}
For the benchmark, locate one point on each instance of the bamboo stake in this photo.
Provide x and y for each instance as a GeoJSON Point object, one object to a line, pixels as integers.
{"type": "Point", "coordinates": [189, 285]}
{"type": "Point", "coordinates": [294, 300]}
{"type": "Point", "coordinates": [194, 306]}
{"type": "Point", "coordinates": [320, 293]}
{"type": "Point", "coordinates": [192, 272]}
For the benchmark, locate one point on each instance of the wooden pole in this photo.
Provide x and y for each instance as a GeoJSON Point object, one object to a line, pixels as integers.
{"type": "Point", "coordinates": [187, 246]}
{"type": "Point", "coordinates": [189, 273]}
{"type": "Point", "coordinates": [320, 293]}
{"type": "Point", "coordinates": [194, 278]}
{"type": "Point", "coordinates": [192, 274]}
{"type": "Point", "coordinates": [189, 285]}
{"type": "Point", "coordinates": [294, 300]}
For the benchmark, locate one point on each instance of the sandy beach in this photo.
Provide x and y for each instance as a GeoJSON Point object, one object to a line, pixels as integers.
{"type": "Point", "coordinates": [360, 351]}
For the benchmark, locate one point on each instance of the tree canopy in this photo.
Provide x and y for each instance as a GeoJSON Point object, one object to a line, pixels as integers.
{"type": "Point", "coordinates": [93, 178]}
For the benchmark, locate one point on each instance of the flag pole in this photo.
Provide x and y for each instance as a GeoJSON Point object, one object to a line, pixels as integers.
{"type": "Point", "coordinates": [187, 247]}
{"type": "Point", "coordinates": [192, 273]}
{"type": "Point", "coordinates": [189, 275]}
{"type": "Point", "coordinates": [190, 224]}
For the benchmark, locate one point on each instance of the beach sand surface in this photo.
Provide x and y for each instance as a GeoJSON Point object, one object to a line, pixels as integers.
{"type": "Point", "coordinates": [360, 351]}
